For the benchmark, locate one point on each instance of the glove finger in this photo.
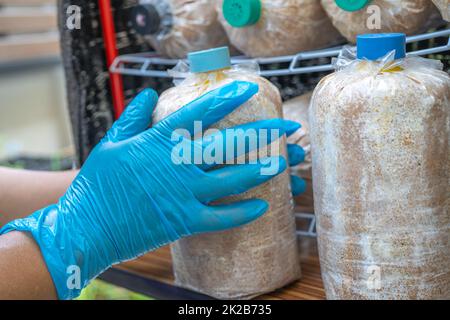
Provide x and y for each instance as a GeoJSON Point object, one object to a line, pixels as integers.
{"type": "Point", "coordinates": [298, 185]}
{"type": "Point", "coordinates": [209, 108]}
{"type": "Point", "coordinates": [223, 146]}
{"type": "Point", "coordinates": [136, 117]}
{"type": "Point", "coordinates": [236, 179]}
{"type": "Point", "coordinates": [224, 217]}
{"type": "Point", "coordinates": [296, 154]}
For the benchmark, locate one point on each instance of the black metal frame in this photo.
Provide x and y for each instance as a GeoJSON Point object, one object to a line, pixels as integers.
{"type": "Point", "coordinates": [149, 287]}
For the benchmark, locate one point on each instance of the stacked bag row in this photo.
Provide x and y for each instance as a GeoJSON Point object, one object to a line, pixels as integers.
{"type": "Point", "coordinates": [267, 28]}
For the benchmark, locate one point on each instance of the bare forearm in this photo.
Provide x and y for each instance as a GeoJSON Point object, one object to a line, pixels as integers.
{"type": "Point", "coordinates": [23, 192]}
{"type": "Point", "coordinates": [23, 273]}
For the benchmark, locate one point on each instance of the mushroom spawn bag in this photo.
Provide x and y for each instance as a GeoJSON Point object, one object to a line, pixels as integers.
{"type": "Point", "coordinates": [406, 16]}
{"type": "Point", "coordinates": [444, 8]}
{"type": "Point", "coordinates": [257, 258]}
{"type": "Point", "coordinates": [285, 27]}
{"type": "Point", "coordinates": [296, 109]}
{"type": "Point", "coordinates": [380, 132]}
{"type": "Point", "coordinates": [185, 26]}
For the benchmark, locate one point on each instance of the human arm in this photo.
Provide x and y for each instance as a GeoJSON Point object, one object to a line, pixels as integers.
{"type": "Point", "coordinates": [23, 273]}
{"type": "Point", "coordinates": [130, 197]}
{"type": "Point", "coordinates": [23, 192]}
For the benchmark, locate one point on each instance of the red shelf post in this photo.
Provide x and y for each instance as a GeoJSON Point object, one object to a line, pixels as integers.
{"type": "Point", "coordinates": [109, 37]}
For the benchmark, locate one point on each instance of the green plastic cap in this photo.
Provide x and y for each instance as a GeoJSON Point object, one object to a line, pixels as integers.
{"type": "Point", "coordinates": [242, 13]}
{"type": "Point", "coordinates": [209, 60]}
{"type": "Point", "coordinates": [352, 5]}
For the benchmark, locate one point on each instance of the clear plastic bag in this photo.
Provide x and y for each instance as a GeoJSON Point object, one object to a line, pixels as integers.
{"type": "Point", "coordinates": [285, 27]}
{"type": "Point", "coordinates": [185, 26]}
{"type": "Point", "coordinates": [380, 132]}
{"type": "Point", "coordinates": [444, 8]}
{"type": "Point", "coordinates": [296, 109]}
{"type": "Point", "coordinates": [257, 258]}
{"type": "Point", "coordinates": [381, 16]}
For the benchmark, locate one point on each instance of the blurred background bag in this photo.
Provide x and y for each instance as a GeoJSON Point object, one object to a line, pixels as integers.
{"type": "Point", "coordinates": [176, 27]}
{"type": "Point", "coordinates": [266, 28]}
{"type": "Point", "coordinates": [404, 16]}
{"type": "Point", "coordinates": [297, 109]}
{"type": "Point", "coordinates": [444, 8]}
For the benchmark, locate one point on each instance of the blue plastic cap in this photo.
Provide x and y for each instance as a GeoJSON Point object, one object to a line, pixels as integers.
{"type": "Point", "coordinates": [209, 60]}
{"type": "Point", "coordinates": [378, 45]}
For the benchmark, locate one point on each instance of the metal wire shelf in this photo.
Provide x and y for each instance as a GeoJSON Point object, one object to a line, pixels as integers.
{"type": "Point", "coordinates": [151, 65]}
{"type": "Point", "coordinates": [310, 219]}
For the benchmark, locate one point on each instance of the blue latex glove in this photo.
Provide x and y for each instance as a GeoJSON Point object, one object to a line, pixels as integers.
{"type": "Point", "coordinates": [296, 156]}
{"type": "Point", "coordinates": [130, 198]}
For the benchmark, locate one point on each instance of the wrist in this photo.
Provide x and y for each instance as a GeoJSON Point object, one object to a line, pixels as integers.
{"type": "Point", "coordinates": [23, 268]}
{"type": "Point", "coordinates": [72, 257]}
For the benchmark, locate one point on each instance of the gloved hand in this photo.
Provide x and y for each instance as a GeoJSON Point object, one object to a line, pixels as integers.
{"type": "Point", "coordinates": [130, 197]}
